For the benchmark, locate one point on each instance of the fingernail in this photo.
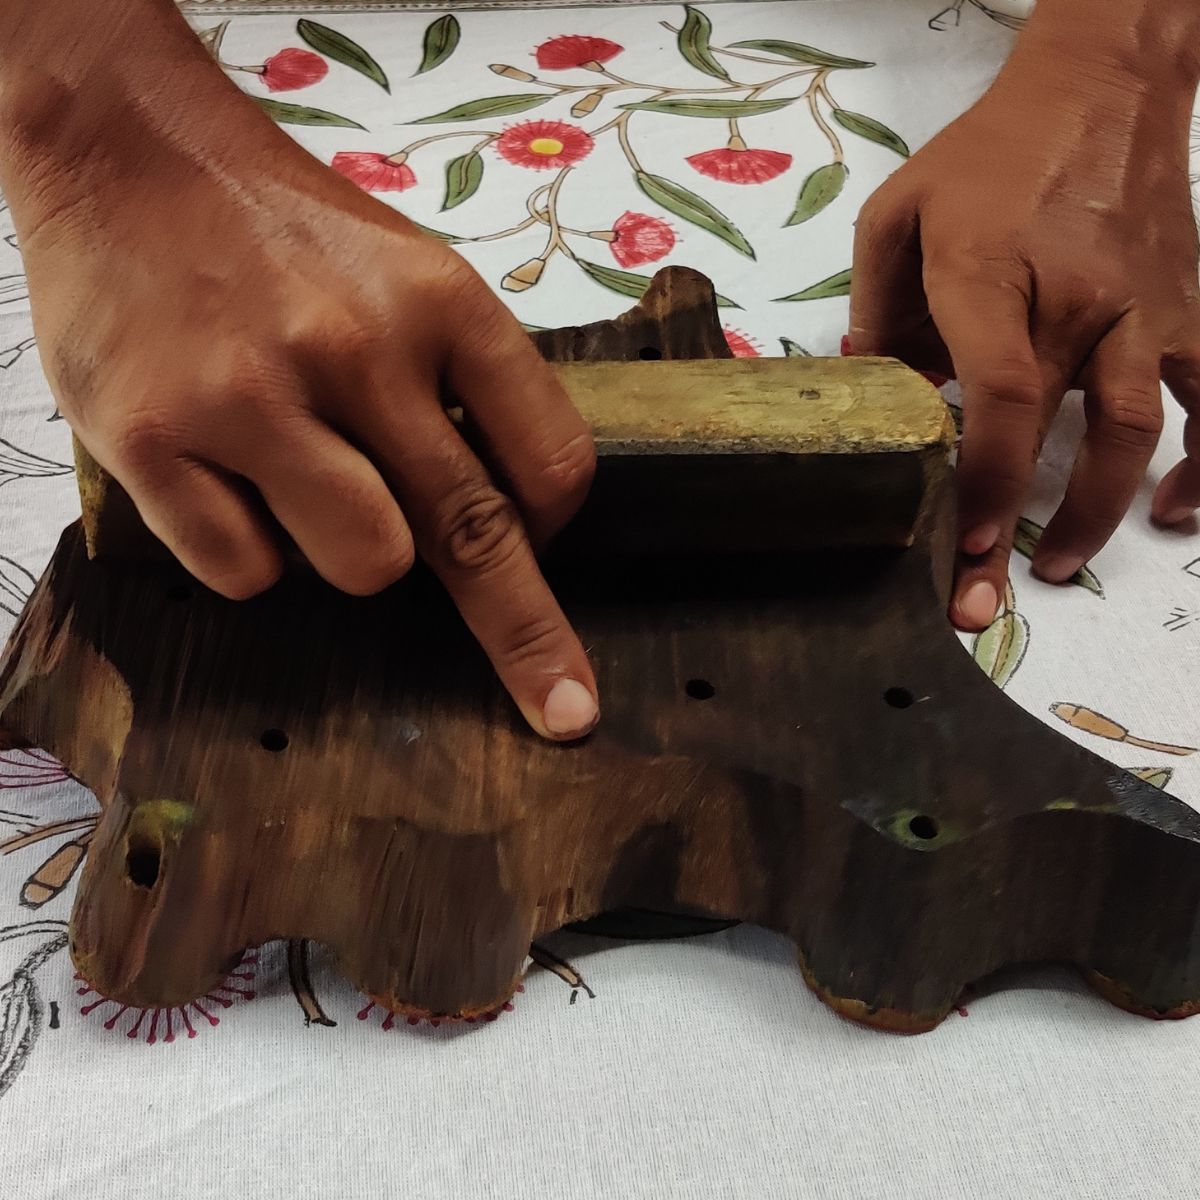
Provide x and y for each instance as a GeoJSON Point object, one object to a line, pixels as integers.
{"type": "Point", "coordinates": [1175, 516]}
{"type": "Point", "coordinates": [980, 539]}
{"type": "Point", "coordinates": [570, 709]}
{"type": "Point", "coordinates": [1057, 568]}
{"type": "Point", "coordinates": [979, 604]}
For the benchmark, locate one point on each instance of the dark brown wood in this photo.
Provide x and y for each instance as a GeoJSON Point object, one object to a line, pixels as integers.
{"type": "Point", "coordinates": [795, 740]}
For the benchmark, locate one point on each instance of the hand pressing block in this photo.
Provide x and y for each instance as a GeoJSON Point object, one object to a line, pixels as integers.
{"type": "Point", "coordinates": [712, 456]}
{"type": "Point", "coordinates": [792, 734]}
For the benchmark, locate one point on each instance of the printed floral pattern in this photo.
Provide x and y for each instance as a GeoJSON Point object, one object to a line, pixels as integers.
{"type": "Point", "coordinates": [544, 145]}
{"type": "Point", "coordinates": [696, 154]}
{"type": "Point", "coordinates": [375, 172]}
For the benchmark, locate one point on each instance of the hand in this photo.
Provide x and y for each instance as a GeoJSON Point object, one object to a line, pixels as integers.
{"type": "Point", "coordinates": [231, 328]}
{"type": "Point", "coordinates": [1044, 240]}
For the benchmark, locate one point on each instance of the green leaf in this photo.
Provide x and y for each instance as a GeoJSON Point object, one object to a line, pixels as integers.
{"type": "Point", "coordinates": [1025, 539]}
{"type": "Point", "coordinates": [674, 197]}
{"type": "Point", "coordinates": [463, 177]}
{"type": "Point", "coordinates": [299, 114]}
{"type": "Point", "coordinates": [441, 40]}
{"type": "Point", "coordinates": [724, 110]}
{"type": "Point", "coordinates": [872, 130]}
{"type": "Point", "coordinates": [1157, 777]}
{"type": "Point", "coordinates": [488, 106]}
{"type": "Point", "coordinates": [342, 50]}
{"type": "Point", "coordinates": [835, 285]}
{"type": "Point", "coordinates": [793, 349]}
{"type": "Point", "coordinates": [1000, 648]}
{"type": "Point", "coordinates": [801, 54]}
{"type": "Point", "coordinates": [694, 38]}
{"type": "Point", "coordinates": [818, 192]}
{"type": "Point", "coordinates": [628, 283]}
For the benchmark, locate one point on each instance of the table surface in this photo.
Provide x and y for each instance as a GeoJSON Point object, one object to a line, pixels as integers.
{"type": "Point", "coordinates": [699, 1068]}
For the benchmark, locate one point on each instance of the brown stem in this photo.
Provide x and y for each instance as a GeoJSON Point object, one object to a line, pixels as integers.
{"type": "Point", "coordinates": [672, 91]}
{"type": "Point", "coordinates": [39, 835]}
{"type": "Point", "coordinates": [555, 240]}
{"type": "Point", "coordinates": [501, 234]}
{"type": "Point", "coordinates": [485, 134]}
{"type": "Point", "coordinates": [815, 89]}
{"type": "Point", "coordinates": [297, 960]}
{"type": "Point", "coordinates": [621, 124]}
{"type": "Point", "coordinates": [549, 961]}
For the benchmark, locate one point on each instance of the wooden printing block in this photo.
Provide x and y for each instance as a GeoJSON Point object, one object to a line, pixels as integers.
{"type": "Point", "coordinates": [792, 734]}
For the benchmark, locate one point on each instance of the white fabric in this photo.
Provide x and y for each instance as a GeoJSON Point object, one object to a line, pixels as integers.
{"type": "Point", "coordinates": [701, 1068]}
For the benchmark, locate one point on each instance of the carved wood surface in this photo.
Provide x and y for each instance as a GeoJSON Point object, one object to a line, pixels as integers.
{"type": "Point", "coordinates": [794, 739]}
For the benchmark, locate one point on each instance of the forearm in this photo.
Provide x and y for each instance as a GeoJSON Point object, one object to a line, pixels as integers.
{"type": "Point", "coordinates": [96, 91]}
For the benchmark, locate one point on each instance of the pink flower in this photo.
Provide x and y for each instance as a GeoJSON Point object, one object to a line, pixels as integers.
{"type": "Point", "coordinates": [544, 144]}
{"type": "Point", "coordinates": [164, 1025]}
{"type": "Point", "coordinates": [730, 165]}
{"type": "Point", "coordinates": [641, 239]}
{"type": "Point", "coordinates": [741, 344]}
{"type": "Point", "coordinates": [375, 172]}
{"type": "Point", "coordinates": [575, 50]}
{"type": "Point", "coordinates": [293, 68]}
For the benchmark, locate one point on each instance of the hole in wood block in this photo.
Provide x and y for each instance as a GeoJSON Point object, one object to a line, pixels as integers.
{"type": "Point", "coordinates": [143, 860]}
{"type": "Point", "coordinates": [700, 689]}
{"type": "Point", "coordinates": [274, 740]}
{"type": "Point", "coordinates": [898, 697]}
{"type": "Point", "coordinates": [650, 353]}
{"type": "Point", "coordinates": [926, 828]}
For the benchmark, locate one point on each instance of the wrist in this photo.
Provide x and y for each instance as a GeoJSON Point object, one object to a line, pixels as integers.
{"type": "Point", "coordinates": [1113, 48]}
{"type": "Point", "coordinates": [110, 93]}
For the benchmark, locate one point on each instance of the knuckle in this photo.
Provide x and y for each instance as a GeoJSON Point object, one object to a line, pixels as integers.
{"type": "Point", "coordinates": [145, 440]}
{"type": "Point", "coordinates": [378, 571]}
{"type": "Point", "coordinates": [569, 469]}
{"type": "Point", "coordinates": [333, 336]}
{"type": "Point", "coordinates": [1012, 381]}
{"type": "Point", "coordinates": [242, 581]}
{"type": "Point", "coordinates": [452, 285]}
{"type": "Point", "coordinates": [478, 527]}
{"type": "Point", "coordinates": [531, 640]}
{"type": "Point", "coordinates": [876, 224]}
{"type": "Point", "coordinates": [1134, 418]}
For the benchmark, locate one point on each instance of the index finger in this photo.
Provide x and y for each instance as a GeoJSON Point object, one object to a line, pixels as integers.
{"type": "Point", "coordinates": [532, 435]}
{"type": "Point", "coordinates": [471, 536]}
{"type": "Point", "coordinates": [985, 326]}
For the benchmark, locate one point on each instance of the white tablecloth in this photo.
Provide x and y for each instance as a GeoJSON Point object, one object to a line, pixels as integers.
{"type": "Point", "coordinates": [701, 1068]}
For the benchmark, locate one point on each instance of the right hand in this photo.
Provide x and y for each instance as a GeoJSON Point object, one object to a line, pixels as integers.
{"type": "Point", "coordinates": [231, 332]}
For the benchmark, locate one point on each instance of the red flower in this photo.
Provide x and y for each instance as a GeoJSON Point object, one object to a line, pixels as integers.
{"type": "Point", "coordinates": [640, 239]}
{"type": "Point", "coordinates": [544, 144]}
{"type": "Point", "coordinates": [741, 344]}
{"type": "Point", "coordinates": [165, 1024]}
{"type": "Point", "coordinates": [741, 166]}
{"type": "Point", "coordinates": [374, 172]}
{"type": "Point", "coordinates": [293, 68]}
{"type": "Point", "coordinates": [575, 50]}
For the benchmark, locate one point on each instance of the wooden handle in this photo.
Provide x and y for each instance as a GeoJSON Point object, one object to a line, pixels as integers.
{"type": "Point", "coordinates": [706, 457]}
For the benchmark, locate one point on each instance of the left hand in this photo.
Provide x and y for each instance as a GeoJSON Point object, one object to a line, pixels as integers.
{"type": "Point", "coordinates": [1044, 240]}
